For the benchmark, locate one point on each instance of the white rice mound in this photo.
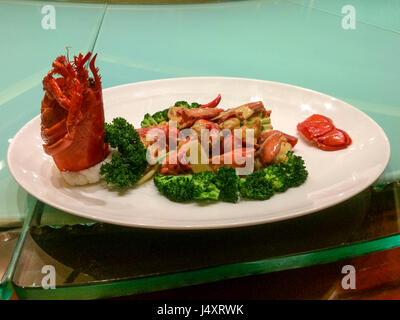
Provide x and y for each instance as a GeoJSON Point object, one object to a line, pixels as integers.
{"type": "Point", "coordinates": [86, 176]}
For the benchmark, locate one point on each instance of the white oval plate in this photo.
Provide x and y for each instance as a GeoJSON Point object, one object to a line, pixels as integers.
{"type": "Point", "coordinates": [333, 176]}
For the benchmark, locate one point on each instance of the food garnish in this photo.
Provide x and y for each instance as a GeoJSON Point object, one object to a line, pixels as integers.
{"type": "Point", "coordinates": [72, 114]}
{"type": "Point", "coordinates": [128, 164]}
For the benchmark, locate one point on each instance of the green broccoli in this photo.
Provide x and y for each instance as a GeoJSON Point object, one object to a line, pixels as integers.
{"type": "Point", "coordinates": [262, 184]}
{"type": "Point", "coordinates": [225, 184]}
{"type": "Point", "coordinates": [256, 186]}
{"type": "Point", "coordinates": [148, 121]}
{"type": "Point", "coordinates": [227, 181]}
{"type": "Point", "coordinates": [182, 104]}
{"type": "Point", "coordinates": [118, 172]}
{"type": "Point", "coordinates": [195, 105]}
{"type": "Point", "coordinates": [175, 188]}
{"type": "Point", "coordinates": [203, 186]}
{"type": "Point", "coordinates": [187, 105]}
{"type": "Point", "coordinates": [127, 166]}
{"type": "Point", "coordinates": [276, 177]}
{"type": "Point", "coordinates": [161, 116]}
{"type": "Point", "coordinates": [294, 170]}
{"type": "Point", "coordinates": [119, 134]}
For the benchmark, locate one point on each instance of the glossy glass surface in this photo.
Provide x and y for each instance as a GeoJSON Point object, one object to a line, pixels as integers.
{"type": "Point", "coordinates": [8, 241]}
{"type": "Point", "coordinates": [93, 260]}
{"type": "Point", "coordinates": [298, 42]}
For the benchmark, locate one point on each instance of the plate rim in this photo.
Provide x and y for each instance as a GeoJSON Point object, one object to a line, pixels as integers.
{"type": "Point", "coordinates": [221, 225]}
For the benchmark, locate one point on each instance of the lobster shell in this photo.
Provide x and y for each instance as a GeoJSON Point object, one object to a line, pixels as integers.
{"type": "Point", "coordinates": [72, 114]}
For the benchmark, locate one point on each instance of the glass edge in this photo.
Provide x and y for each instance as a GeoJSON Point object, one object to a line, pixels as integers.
{"type": "Point", "coordinates": [5, 290]}
{"type": "Point", "coordinates": [120, 288]}
{"type": "Point", "coordinates": [6, 287]}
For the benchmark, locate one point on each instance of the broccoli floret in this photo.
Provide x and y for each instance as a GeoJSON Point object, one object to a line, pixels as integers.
{"type": "Point", "coordinates": [203, 186]}
{"type": "Point", "coordinates": [256, 186]}
{"type": "Point", "coordinates": [118, 172]}
{"type": "Point", "coordinates": [175, 188]}
{"type": "Point", "coordinates": [198, 186]}
{"type": "Point", "coordinates": [148, 121]}
{"type": "Point", "coordinates": [187, 105]}
{"type": "Point", "coordinates": [294, 170]}
{"type": "Point", "coordinates": [127, 166]}
{"type": "Point", "coordinates": [261, 185]}
{"type": "Point", "coordinates": [120, 134]}
{"type": "Point", "coordinates": [194, 105]}
{"type": "Point", "coordinates": [182, 104]}
{"type": "Point", "coordinates": [276, 177]}
{"type": "Point", "coordinates": [161, 116]}
{"type": "Point", "coordinates": [227, 181]}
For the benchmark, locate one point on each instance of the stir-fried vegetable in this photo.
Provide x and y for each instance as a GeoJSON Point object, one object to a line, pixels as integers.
{"type": "Point", "coordinates": [203, 186]}
{"type": "Point", "coordinates": [200, 186]}
{"type": "Point", "coordinates": [211, 104]}
{"type": "Point", "coordinates": [126, 166]}
{"type": "Point", "coordinates": [226, 185]}
{"type": "Point", "coordinates": [227, 181]}
{"type": "Point", "coordinates": [187, 105]}
{"type": "Point", "coordinates": [294, 169]}
{"type": "Point", "coordinates": [161, 116]}
{"type": "Point", "coordinates": [175, 188]}
{"type": "Point", "coordinates": [276, 177]}
{"type": "Point", "coordinates": [263, 121]}
{"type": "Point", "coordinates": [277, 168]}
{"type": "Point", "coordinates": [148, 121]}
{"type": "Point", "coordinates": [255, 186]}
{"type": "Point", "coordinates": [158, 117]}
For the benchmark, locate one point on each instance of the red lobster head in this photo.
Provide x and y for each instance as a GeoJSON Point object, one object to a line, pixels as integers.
{"type": "Point", "coordinates": [72, 114]}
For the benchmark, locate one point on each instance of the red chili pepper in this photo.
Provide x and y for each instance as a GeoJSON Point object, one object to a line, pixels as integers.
{"type": "Point", "coordinates": [213, 103]}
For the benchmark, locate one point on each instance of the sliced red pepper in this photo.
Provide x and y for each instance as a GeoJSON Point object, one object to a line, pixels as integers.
{"type": "Point", "coordinates": [213, 103]}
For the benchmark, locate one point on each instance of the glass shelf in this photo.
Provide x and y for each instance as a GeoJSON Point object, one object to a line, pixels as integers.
{"type": "Point", "coordinates": [299, 42]}
{"type": "Point", "coordinates": [95, 260]}
{"type": "Point", "coordinates": [8, 241]}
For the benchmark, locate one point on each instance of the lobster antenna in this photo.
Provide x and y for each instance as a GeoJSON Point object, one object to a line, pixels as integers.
{"type": "Point", "coordinates": [88, 62]}
{"type": "Point", "coordinates": [67, 48]}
